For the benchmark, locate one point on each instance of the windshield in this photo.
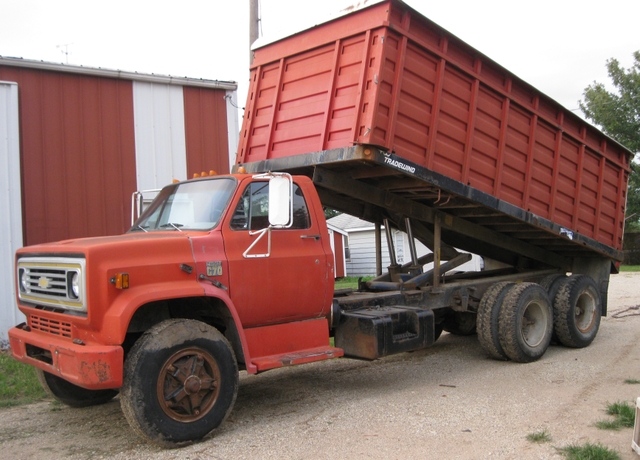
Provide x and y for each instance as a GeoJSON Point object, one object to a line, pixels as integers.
{"type": "Point", "coordinates": [196, 205]}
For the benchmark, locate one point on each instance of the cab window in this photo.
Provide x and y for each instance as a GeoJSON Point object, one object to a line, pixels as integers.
{"type": "Point", "coordinates": [252, 211]}
{"type": "Point", "coordinates": [191, 205]}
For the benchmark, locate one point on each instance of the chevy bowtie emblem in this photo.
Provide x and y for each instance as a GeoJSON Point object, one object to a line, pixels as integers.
{"type": "Point", "coordinates": [44, 282]}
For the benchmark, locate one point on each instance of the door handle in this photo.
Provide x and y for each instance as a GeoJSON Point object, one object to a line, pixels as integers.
{"type": "Point", "coordinates": [315, 237]}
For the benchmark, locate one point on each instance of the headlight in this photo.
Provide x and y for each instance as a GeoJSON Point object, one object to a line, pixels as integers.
{"type": "Point", "coordinates": [24, 280]}
{"type": "Point", "coordinates": [74, 285]}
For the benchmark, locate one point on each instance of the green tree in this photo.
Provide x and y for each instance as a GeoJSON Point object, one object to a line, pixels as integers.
{"type": "Point", "coordinates": [618, 114]}
{"type": "Point", "coordinates": [329, 213]}
{"type": "Point", "coordinates": [633, 200]}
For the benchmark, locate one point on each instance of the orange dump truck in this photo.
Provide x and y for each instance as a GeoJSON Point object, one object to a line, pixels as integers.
{"type": "Point", "coordinates": [380, 114]}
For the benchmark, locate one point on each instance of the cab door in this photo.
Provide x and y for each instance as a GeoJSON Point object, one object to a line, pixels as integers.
{"type": "Point", "coordinates": [295, 281]}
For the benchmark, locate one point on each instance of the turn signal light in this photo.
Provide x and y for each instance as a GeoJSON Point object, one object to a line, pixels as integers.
{"type": "Point", "coordinates": [121, 280]}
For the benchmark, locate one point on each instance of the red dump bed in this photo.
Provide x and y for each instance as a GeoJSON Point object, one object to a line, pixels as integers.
{"type": "Point", "coordinates": [389, 77]}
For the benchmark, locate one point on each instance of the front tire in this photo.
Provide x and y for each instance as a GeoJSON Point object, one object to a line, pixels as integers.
{"type": "Point", "coordinates": [70, 394]}
{"type": "Point", "coordinates": [577, 311]}
{"type": "Point", "coordinates": [525, 323]}
{"type": "Point", "coordinates": [180, 382]}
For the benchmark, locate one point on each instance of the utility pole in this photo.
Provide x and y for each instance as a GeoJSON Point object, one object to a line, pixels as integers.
{"type": "Point", "coordinates": [254, 27]}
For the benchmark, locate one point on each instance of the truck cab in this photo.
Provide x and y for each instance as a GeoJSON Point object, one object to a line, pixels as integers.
{"type": "Point", "coordinates": [219, 273]}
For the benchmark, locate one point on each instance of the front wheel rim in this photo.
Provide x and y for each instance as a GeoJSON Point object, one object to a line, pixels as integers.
{"type": "Point", "coordinates": [188, 385]}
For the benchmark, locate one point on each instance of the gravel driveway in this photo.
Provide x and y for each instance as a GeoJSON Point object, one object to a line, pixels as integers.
{"type": "Point", "coordinates": [446, 402]}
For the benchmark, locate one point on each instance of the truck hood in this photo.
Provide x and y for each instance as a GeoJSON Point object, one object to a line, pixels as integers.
{"type": "Point", "coordinates": [110, 243]}
{"type": "Point", "coordinates": [150, 260]}
{"type": "Point", "coordinates": [80, 245]}
{"type": "Point", "coordinates": [122, 252]}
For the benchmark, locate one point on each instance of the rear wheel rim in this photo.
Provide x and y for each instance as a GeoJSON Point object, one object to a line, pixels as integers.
{"type": "Point", "coordinates": [534, 324]}
{"type": "Point", "coordinates": [188, 385]}
{"type": "Point", "coordinates": [585, 312]}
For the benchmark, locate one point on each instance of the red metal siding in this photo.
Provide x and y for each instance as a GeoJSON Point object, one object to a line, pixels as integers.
{"type": "Point", "coordinates": [206, 130]}
{"type": "Point", "coordinates": [78, 154]}
{"type": "Point", "coordinates": [389, 77]}
{"type": "Point", "coordinates": [339, 254]}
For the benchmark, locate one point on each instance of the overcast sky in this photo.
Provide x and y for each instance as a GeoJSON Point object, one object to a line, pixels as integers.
{"type": "Point", "coordinates": [558, 46]}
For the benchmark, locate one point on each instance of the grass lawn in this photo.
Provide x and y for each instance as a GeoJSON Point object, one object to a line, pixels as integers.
{"type": "Point", "coordinates": [18, 382]}
{"type": "Point", "coordinates": [630, 268]}
{"type": "Point", "coordinates": [350, 282]}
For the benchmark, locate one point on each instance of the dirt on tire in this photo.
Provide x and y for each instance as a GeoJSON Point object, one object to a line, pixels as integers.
{"type": "Point", "coordinates": [450, 401]}
{"type": "Point", "coordinates": [487, 323]}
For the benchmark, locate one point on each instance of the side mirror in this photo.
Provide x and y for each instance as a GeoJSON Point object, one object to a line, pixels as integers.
{"type": "Point", "coordinates": [280, 209]}
{"type": "Point", "coordinates": [280, 201]}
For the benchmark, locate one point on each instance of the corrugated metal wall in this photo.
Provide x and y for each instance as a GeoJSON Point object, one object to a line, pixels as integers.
{"type": "Point", "coordinates": [205, 114]}
{"type": "Point", "coordinates": [78, 154]}
{"type": "Point", "coordinates": [233, 126]}
{"type": "Point", "coordinates": [159, 134]}
{"type": "Point", "coordinates": [11, 222]}
{"type": "Point", "coordinates": [176, 130]}
{"type": "Point", "coordinates": [88, 139]}
{"type": "Point", "coordinates": [89, 142]}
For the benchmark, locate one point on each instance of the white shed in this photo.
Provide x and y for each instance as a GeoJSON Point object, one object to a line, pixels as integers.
{"type": "Point", "coordinates": [360, 252]}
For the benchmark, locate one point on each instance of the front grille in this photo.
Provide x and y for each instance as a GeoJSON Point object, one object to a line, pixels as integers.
{"type": "Point", "coordinates": [50, 326]}
{"type": "Point", "coordinates": [46, 282]}
{"type": "Point", "coordinates": [57, 282]}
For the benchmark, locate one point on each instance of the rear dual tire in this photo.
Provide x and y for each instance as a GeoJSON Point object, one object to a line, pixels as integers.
{"type": "Point", "coordinates": [518, 321]}
{"type": "Point", "coordinates": [577, 310]}
{"type": "Point", "coordinates": [487, 321]}
{"type": "Point", "coordinates": [525, 322]}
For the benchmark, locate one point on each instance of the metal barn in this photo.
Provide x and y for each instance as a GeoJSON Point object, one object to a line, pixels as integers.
{"type": "Point", "coordinates": [76, 142]}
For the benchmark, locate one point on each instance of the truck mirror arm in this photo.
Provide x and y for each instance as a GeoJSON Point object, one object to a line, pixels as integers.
{"type": "Point", "coordinates": [260, 234]}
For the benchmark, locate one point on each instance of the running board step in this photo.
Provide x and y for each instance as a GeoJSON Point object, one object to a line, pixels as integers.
{"type": "Point", "coordinates": [297, 357]}
{"type": "Point", "coordinates": [373, 333]}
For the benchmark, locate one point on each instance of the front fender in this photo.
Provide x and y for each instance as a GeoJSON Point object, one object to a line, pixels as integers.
{"type": "Point", "coordinates": [118, 317]}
